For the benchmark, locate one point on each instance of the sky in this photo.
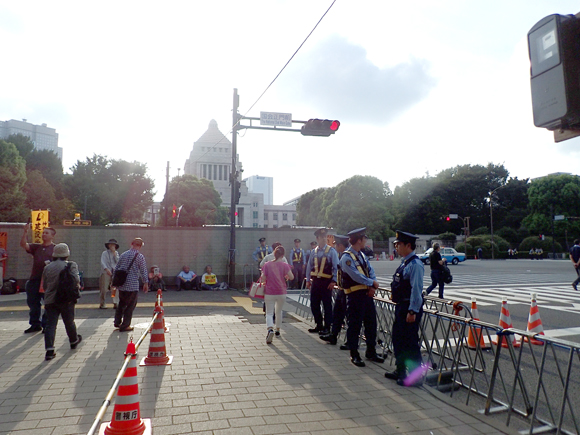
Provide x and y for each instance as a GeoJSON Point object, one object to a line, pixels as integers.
{"type": "Point", "coordinates": [418, 86]}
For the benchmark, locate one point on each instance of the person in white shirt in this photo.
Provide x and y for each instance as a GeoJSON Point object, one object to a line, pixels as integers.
{"type": "Point", "coordinates": [109, 259]}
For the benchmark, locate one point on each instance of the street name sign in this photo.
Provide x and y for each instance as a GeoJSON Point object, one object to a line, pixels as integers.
{"type": "Point", "coordinates": [276, 119]}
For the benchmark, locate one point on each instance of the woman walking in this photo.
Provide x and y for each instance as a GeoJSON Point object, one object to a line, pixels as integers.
{"type": "Point", "coordinates": [275, 275]}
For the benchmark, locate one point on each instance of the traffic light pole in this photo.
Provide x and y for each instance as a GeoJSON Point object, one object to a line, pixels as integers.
{"type": "Point", "coordinates": [233, 180]}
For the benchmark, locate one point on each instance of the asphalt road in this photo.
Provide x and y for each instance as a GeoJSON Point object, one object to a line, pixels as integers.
{"type": "Point", "coordinates": [490, 280]}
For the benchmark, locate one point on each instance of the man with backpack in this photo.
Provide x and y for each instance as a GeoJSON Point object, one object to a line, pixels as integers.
{"type": "Point", "coordinates": [60, 277]}
{"type": "Point", "coordinates": [575, 258]}
{"type": "Point", "coordinates": [132, 264]}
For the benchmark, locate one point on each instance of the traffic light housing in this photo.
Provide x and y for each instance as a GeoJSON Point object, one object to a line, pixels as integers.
{"type": "Point", "coordinates": [238, 192]}
{"type": "Point", "coordinates": [319, 127]}
{"type": "Point", "coordinates": [553, 45]}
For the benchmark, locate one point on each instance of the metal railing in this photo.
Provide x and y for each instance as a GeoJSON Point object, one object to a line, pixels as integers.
{"type": "Point", "coordinates": [113, 390]}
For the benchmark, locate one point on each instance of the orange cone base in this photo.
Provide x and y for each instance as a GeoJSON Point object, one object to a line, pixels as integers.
{"type": "Point", "coordinates": [144, 428]}
{"type": "Point", "coordinates": [157, 361]}
{"type": "Point", "coordinates": [534, 341]}
{"type": "Point", "coordinates": [504, 343]}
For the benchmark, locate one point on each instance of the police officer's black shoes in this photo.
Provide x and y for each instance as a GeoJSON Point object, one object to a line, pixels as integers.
{"type": "Point", "coordinates": [356, 359]}
{"type": "Point", "coordinates": [343, 347]}
{"type": "Point", "coordinates": [315, 330]}
{"type": "Point", "coordinates": [33, 329]}
{"type": "Point", "coordinates": [395, 375]}
{"type": "Point", "coordinates": [329, 338]}
{"type": "Point", "coordinates": [375, 358]}
{"type": "Point", "coordinates": [324, 332]}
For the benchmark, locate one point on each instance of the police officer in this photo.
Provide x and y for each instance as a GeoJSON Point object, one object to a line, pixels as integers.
{"type": "Point", "coordinates": [298, 263]}
{"type": "Point", "coordinates": [321, 279]}
{"type": "Point", "coordinates": [261, 251]}
{"type": "Point", "coordinates": [407, 288]}
{"type": "Point", "coordinates": [359, 282]}
{"type": "Point", "coordinates": [308, 252]}
{"type": "Point", "coordinates": [339, 310]}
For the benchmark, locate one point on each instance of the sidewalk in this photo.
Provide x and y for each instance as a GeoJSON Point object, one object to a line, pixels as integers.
{"type": "Point", "coordinates": [224, 379]}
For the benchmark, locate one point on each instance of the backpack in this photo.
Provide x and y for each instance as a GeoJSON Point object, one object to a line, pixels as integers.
{"type": "Point", "coordinates": [68, 289]}
{"type": "Point", "coordinates": [10, 287]}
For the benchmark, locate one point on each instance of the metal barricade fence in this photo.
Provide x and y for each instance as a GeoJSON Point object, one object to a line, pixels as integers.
{"type": "Point", "coordinates": [538, 384]}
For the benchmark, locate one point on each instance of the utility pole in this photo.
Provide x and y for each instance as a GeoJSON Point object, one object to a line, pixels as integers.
{"type": "Point", "coordinates": [166, 192]}
{"type": "Point", "coordinates": [233, 179]}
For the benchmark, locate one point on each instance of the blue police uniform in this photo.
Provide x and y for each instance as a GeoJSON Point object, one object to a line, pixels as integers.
{"type": "Point", "coordinates": [357, 276]}
{"type": "Point", "coordinates": [298, 262]}
{"type": "Point", "coordinates": [322, 269]}
{"type": "Point", "coordinates": [261, 251]}
{"type": "Point", "coordinates": [407, 293]}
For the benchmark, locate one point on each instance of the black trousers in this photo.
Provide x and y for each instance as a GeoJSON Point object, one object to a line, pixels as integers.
{"type": "Point", "coordinates": [338, 312]}
{"type": "Point", "coordinates": [360, 309]}
{"type": "Point", "coordinates": [320, 294]}
{"type": "Point", "coordinates": [67, 311]}
{"type": "Point", "coordinates": [125, 308]}
{"type": "Point", "coordinates": [406, 339]}
{"type": "Point", "coordinates": [298, 275]}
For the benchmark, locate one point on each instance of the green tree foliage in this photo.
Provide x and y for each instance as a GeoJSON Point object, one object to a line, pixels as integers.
{"type": "Point", "coordinates": [40, 196]}
{"type": "Point", "coordinates": [311, 208]}
{"type": "Point", "coordinates": [484, 242]}
{"type": "Point", "coordinates": [421, 203]}
{"type": "Point", "coordinates": [49, 165]}
{"type": "Point", "coordinates": [22, 143]}
{"type": "Point", "coordinates": [554, 195]}
{"type": "Point", "coordinates": [447, 236]}
{"type": "Point", "coordinates": [508, 233]}
{"type": "Point", "coordinates": [510, 204]}
{"type": "Point", "coordinates": [480, 231]}
{"type": "Point", "coordinates": [113, 190]}
{"type": "Point", "coordinates": [360, 201]}
{"type": "Point", "coordinates": [200, 201]}
{"type": "Point", "coordinates": [534, 242]}
{"type": "Point", "coordinates": [12, 179]}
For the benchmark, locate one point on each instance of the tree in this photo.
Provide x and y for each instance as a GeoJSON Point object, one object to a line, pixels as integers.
{"type": "Point", "coordinates": [309, 208]}
{"type": "Point", "coordinates": [49, 165]}
{"type": "Point", "coordinates": [40, 195]}
{"type": "Point", "coordinates": [110, 190]}
{"type": "Point", "coordinates": [199, 200]}
{"type": "Point", "coordinates": [360, 201]}
{"type": "Point", "coordinates": [12, 179]}
{"type": "Point", "coordinates": [23, 144]}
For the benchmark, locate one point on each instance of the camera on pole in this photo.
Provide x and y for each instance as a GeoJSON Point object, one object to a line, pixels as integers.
{"type": "Point", "coordinates": [554, 44]}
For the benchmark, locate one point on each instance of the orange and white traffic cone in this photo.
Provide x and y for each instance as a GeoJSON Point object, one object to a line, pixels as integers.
{"type": "Point", "coordinates": [126, 413]}
{"type": "Point", "coordinates": [157, 355]}
{"type": "Point", "coordinates": [534, 322]}
{"type": "Point", "coordinates": [471, 341]}
{"type": "Point", "coordinates": [159, 302]}
{"type": "Point", "coordinates": [505, 322]}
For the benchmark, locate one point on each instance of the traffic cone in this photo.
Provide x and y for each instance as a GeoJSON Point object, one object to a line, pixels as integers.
{"type": "Point", "coordinates": [505, 322]}
{"type": "Point", "coordinates": [471, 343]}
{"type": "Point", "coordinates": [126, 413]}
{"type": "Point", "coordinates": [534, 322]}
{"type": "Point", "coordinates": [159, 302]}
{"type": "Point", "coordinates": [157, 355]}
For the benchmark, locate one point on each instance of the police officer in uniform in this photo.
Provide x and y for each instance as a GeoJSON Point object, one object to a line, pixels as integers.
{"type": "Point", "coordinates": [308, 252]}
{"type": "Point", "coordinates": [339, 310]}
{"type": "Point", "coordinates": [407, 288]}
{"type": "Point", "coordinates": [261, 251]}
{"type": "Point", "coordinates": [298, 263]}
{"type": "Point", "coordinates": [321, 279]}
{"type": "Point", "coordinates": [359, 282]}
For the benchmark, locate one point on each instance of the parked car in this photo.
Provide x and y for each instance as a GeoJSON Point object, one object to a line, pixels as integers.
{"type": "Point", "coordinates": [450, 254]}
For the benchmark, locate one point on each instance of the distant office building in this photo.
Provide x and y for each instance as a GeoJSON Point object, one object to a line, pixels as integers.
{"type": "Point", "coordinates": [263, 185]}
{"type": "Point", "coordinates": [43, 137]}
{"type": "Point", "coordinates": [211, 158]}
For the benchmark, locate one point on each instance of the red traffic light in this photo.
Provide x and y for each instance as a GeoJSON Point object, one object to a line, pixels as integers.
{"type": "Point", "coordinates": [447, 218]}
{"type": "Point", "coordinates": [319, 127]}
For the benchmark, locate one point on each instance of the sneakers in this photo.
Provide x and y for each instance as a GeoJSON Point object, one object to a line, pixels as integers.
{"type": "Point", "coordinates": [33, 329]}
{"type": "Point", "coordinates": [50, 354]}
{"type": "Point", "coordinates": [575, 286]}
{"type": "Point", "coordinates": [76, 343]}
{"type": "Point", "coordinates": [269, 336]}
{"type": "Point", "coordinates": [277, 333]}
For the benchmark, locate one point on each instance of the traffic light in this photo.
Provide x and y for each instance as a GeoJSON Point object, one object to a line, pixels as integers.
{"type": "Point", "coordinates": [319, 127]}
{"type": "Point", "coordinates": [447, 218]}
{"type": "Point", "coordinates": [553, 45]}
{"type": "Point", "coordinates": [174, 215]}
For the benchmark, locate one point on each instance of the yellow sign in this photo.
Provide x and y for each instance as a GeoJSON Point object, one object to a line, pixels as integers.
{"type": "Point", "coordinates": [38, 224]}
{"type": "Point", "coordinates": [76, 223]}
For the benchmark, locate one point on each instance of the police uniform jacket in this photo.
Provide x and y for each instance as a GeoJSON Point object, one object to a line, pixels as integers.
{"type": "Point", "coordinates": [323, 263]}
{"type": "Point", "coordinates": [413, 273]}
{"type": "Point", "coordinates": [357, 272]}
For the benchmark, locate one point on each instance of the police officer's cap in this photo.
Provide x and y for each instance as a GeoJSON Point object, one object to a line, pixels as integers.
{"type": "Point", "coordinates": [297, 240]}
{"type": "Point", "coordinates": [402, 236]}
{"type": "Point", "coordinates": [359, 232]}
{"type": "Point", "coordinates": [321, 232]}
{"type": "Point", "coordinates": [341, 240]}
{"type": "Point", "coordinates": [313, 243]}
{"type": "Point", "coordinates": [262, 239]}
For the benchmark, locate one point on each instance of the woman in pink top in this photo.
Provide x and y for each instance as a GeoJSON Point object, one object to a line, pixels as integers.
{"type": "Point", "coordinates": [275, 275]}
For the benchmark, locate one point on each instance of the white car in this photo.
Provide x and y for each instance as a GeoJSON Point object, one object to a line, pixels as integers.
{"type": "Point", "coordinates": [450, 254]}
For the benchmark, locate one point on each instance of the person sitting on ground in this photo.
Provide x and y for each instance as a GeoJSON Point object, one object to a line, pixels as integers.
{"type": "Point", "coordinates": [156, 279]}
{"type": "Point", "coordinates": [186, 279]}
{"type": "Point", "coordinates": [209, 280]}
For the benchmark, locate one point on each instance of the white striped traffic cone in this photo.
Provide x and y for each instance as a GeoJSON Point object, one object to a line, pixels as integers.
{"type": "Point", "coordinates": [505, 322]}
{"type": "Point", "coordinates": [473, 331]}
{"type": "Point", "coordinates": [127, 413]}
{"type": "Point", "coordinates": [157, 355]}
{"type": "Point", "coordinates": [534, 322]}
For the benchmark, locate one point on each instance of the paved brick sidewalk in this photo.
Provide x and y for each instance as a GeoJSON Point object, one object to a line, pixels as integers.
{"type": "Point", "coordinates": [224, 379]}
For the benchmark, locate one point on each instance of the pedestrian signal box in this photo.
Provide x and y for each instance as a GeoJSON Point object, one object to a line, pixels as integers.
{"type": "Point", "coordinates": [553, 45]}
